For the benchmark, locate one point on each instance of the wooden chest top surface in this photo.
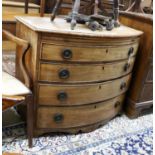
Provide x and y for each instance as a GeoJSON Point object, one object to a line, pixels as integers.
{"type": "Point", "coordinates": [60, 26]}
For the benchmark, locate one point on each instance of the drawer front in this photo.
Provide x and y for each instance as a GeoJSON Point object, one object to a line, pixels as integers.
{"type": "Point", "coordinates": [70, 73]}
{"type": "Point", "coordinates": [65, 95]}
{"type": "Point", "coordinates": [87, 54]}
{"type": "Point", "coordinates": [76, 116]}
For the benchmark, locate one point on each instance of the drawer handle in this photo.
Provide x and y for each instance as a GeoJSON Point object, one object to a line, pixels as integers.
{"type": "Point", "coordinates": [58, 118]}
{"type": "Point", "coordinates": [64, 74]}
{"type": "Point", "coordinates": [62, 96]}
{"type": "Point", "coordinates": [130, 51]}
{"type": "Point", "coordinates": [126, 67]}
{"type": "Point", "coordinates": [117, 104]}
{"type": "Point", "coordinates": [123, 86]}
{"type": "Point", "coordinates": [67, 54]}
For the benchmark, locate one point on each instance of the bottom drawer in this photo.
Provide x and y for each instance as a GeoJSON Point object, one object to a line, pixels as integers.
{"type": "Point", "coordinates": [76, 116]}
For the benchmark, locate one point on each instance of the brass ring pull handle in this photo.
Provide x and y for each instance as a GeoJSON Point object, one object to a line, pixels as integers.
{"type": "Point", "coordinates": [130, 51]}
{"type": "Point", "coordinates": [117, 104]}
{"type": "Point", "coordinates": [67, 54]}
{"type": "Point", "coordinates": [64, 74]}
{"type": "Point", "coordinates": [123, 86]}
{"type": "Point", "coordinates": [126, 67]}
{"type": "Point", "coordinates": [58, 118]}
{"type": "Point", "coordinates": [62, 96]}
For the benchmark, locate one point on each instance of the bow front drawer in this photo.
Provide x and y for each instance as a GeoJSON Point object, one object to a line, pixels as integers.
{"type": "Point", "coordinates": [65, 94]}
{"type": "Point", "coordinates": [78, 116]}
{"type": "Point", "coordinates": [76, 73]}
{"type": "Point", "coordinates": [54, 52]}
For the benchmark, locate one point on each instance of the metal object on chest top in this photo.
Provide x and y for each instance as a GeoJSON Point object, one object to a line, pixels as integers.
{"type": "Point", "coordinates": [95, 21]}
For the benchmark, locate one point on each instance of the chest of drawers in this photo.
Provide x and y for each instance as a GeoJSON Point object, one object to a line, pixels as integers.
{"type": "Point", "coordinates": [79, 78]}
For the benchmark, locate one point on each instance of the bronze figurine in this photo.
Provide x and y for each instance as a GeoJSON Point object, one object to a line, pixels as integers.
{"type": "Point", "coordinates": [95, 21]}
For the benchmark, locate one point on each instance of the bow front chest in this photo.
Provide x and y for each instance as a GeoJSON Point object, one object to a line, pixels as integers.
{"type": "Point", "coordinates": [79, 77]}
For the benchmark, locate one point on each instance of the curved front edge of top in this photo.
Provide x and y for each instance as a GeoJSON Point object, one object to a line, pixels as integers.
{"type": "Point", "coordinates": [60, 26]}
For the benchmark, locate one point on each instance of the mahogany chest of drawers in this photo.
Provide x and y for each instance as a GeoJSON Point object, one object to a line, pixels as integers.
{"type": "Point", "coordinates": [79, 77]}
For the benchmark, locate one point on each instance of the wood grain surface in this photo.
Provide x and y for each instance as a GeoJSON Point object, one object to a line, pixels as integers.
{"type": "Point", "coordinates": [140, 96]}
{"type": "Point", "coordinates": [81, 94]}
{"type": "Point", "coordinates": [85, 53]}
{"type": "Point", "coordinates": [60, 26]}
{"type": "Point", "coordinates": [79, 115]}
{"type": "Point", "coordinates": [78, 73]}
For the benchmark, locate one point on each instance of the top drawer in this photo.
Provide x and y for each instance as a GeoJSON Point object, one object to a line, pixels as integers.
{"type": "Point", "coordinates": [55, 52]}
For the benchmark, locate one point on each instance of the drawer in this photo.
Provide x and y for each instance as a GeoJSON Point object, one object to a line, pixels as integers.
{"type": "Point", "coordinates": [76, 116]}
{"type": "Point", "coordinates": [65, 94]}
{"type": "Point", "coordinates": [70, 73]}
{"type": "Point", "coordinates": [54, 52]}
